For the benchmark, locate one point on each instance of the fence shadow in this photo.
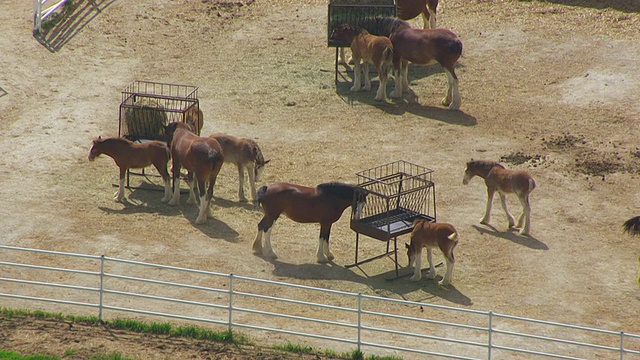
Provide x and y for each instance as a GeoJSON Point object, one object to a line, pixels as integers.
{"type": "Point", "coordinates": [58, 31]}
{"type": "Point", "coordinates": [3, 92]}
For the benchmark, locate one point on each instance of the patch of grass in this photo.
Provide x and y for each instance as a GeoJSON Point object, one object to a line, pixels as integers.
{"type": "Point", "coordinates": [10, 355]}
{"type": "Point", "coordinates": [295, 348]}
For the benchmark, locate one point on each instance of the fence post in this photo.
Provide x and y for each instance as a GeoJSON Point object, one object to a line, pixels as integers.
{"type": "Point", "coordinates": [490, 334]}
{"type": "Point", "coordinates": [622, 345]}
{"type": "Point", "coordinates": [101, 286]}
{"type": "Point", "coordinates": [230, 303]}
{"type": "Point", "coordinates": [359, 320]}
{"type": "Point", "coordinates": [37, 11]}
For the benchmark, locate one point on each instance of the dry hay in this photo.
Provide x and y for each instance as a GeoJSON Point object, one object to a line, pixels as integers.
{"type": "Point", "coordinates": [145, 120]}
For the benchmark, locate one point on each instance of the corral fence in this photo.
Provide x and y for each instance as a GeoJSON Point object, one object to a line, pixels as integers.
{"type": "Point", "coordinates": [275, 310]}
{"type": "Point", "coordinates": [42, 9]}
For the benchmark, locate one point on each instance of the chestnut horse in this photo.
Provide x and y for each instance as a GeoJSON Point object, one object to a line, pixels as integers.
{"type": "Point", "coordinates": [504, 181]}
{"type": "Point", "coordinates": [432, 235]}
{"type": "Point", "coordinates": [323, 204]}
{"type": "Point", "coordinates": [194, 118]}
{"type": "Point", "coordinates": [202, 157]}
{"type": "Point", "coordinates": [245, 154]}
{"type": "Point", "coordinates": [130, 155]}
{"type": "Point", "coordinates": [376, 50]}
{"type": "Point", "coordinates": [423, 47]}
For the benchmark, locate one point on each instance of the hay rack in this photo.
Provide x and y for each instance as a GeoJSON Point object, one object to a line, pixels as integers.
{"type": "Point", "coordinates": [148, 106]}
{"type": "Point", "coordinates": [355, 12]}
{"type": "Point", "coordinates": [397, 193]}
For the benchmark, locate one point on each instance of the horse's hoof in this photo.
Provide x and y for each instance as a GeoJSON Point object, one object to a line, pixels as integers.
{"type": "Point", "coordinates": [415, 278]}
{"type": "Point", "coordinates": [367, 88]}
{"type": "Point", "coordinates": [443, 283]}
{"type": "Point", "coordinates": [524, 232]}
{"type": "Point", "coordinates": [271, 256]}
{"type": "Point", "coordinates": [191, 201]}
{"type": "Point", "coordinates": [243, 200]}
{"type": "Point", "coordinates": [164, 200]}
{"type": "Point", "coordinates": [484, 222]}
{"type": "Point", "coordinates": [354, 89]}
{"type": "Point", "coordinates": [200, 221]}
{"type": "Point", "coordinates": [173, 202]}
{"type": "Point", "coordinates": [431, 276]}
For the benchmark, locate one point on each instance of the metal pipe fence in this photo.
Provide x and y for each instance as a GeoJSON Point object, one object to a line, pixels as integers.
{"type": "Point", "coordinates": [41, 12]}
{"type": "Point", "coordinates": [258, 306]}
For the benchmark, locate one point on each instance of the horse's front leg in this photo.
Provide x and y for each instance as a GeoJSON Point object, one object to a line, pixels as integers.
{"type": "Point", "coordinates": [525, 217]}
{"type": "Point", "coordinates": [487, 213]}
{"type": "Point", "coordinates": [510, 218]}
{"type": "Point", "coordinates": [119, 195]}
{"type": "Point", "coordinates": [192, 188]}
{"type": "Point", "coordinates": [397, 89]}
{"type": "Point", "coordinates": [417, 268]}
{"type": "Point", "coordinates": [252, 182]}
{"type": "Point", "coordinates": [432, 268]}
{"type": "Point", "coordinates": [167, 184]}
{"type": "Point", "coordinates": [324, 253]}
{"type": "Point", "coordinates": [405, 79]}
{"type": "Point", "coordinates": [241, 183]}
{"type": "Point", "coordinates": [264, 227]}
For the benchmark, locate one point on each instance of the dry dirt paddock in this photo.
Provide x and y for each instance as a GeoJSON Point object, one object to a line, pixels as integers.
{"type": "Point", "coordinates": [547, 86]}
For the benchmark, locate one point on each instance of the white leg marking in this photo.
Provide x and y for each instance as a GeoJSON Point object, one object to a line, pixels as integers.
{"type": "Point", "coordinates": [510, 218]}
{"type": "Point", "coordinates": [192, 192]}
{"type": "Point", "coordinates": [202, 214]}
{"type": "Point", "coordinates": [120, 193]}
{"type": "Point", "coordinates": [432, 269]}
{"type": "Point", "coordinates": [357, 74]}
{"type": "Point", "coordinates": [257, 243]}
{"type": "Point", "coordinates": [397, 89]}
{"type": "Point", "coordinates": [487, 214]}
{"type": "Point", "coordinates": [252, 181]}
{"type": "Point", "coordinates": [241, 183]}
{"type": "Point", "coordinates": [321, 258]}
{"type": "Point", "coordinates": [446, 280]}
{"type": "Point", "coordinates": [167, 190]}
{"type": "Point", "coordinates": [268, 250]}
{"type": "Point", "coordinates": [175, 200]}
{"type": "Point", "coordinates": [367, 80]}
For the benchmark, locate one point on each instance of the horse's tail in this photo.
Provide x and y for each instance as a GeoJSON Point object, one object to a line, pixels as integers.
{"type": "Point", "coordinates": [261, 193]}
{"type": "Point", "coordinates": [387, 60]}
{"type": "Point", "coordinates": [532, 184]}
{"type": "Point", "coordinates": [456, 47]}
{"type": "Point", "coordinates": [453, 237]}
{"type": "Point", "coordinates": [168, 150]}
{"type": "Point", "coordinates": [632, 226]}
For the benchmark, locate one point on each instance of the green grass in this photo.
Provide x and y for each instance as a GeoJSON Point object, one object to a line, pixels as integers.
{"type": "Point", "coordinates": [193, 332]}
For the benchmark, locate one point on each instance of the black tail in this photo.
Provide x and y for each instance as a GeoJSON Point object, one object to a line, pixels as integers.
{"type": "Point", "coordinates": [261, 193]}
{"type": "Point", "coordinates": [632, 226]}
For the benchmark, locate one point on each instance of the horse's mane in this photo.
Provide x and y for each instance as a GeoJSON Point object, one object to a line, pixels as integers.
{"type": "Point", "coordinates": [113, 139]}
{"type": "Point", "coordinates": [383, 25]}
{"type": "Point", "coordinates": [338, 189]}
{"type": "Point", "coordinates": [484, 164]}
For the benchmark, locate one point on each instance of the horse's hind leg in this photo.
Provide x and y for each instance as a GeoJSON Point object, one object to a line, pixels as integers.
{"type": "Point", "coordinates": [525, 217]}
{"type": "Point", "coordinates": [367, 79]}
{"type": "Point", "coordinates": [432, 268]}
{"type": "Point", "coordinates": [192, 188]}
{"type": "Point", "coordinates": [503, 201]}
{"type": "Point", "coordinates": [452, 99]}
{"type": "Point", "coordinates": [175, 199]}
{"type": "Point", "coordinates": [167, 183]}
{"type": "Point", "coordinates": [264, 227]}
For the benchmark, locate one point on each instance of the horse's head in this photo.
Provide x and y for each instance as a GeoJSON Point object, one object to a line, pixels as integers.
{"type": "Point", "coordinates": [346, 32]}
{"type": "Point", "coordinates": [468, 173]}
{"type": "Point", "coordinates": [411, 253]}
{"type": "Point", "coordinates": [95, 149]}
{"type": "Point", "coordinates": [359, 201]}
{"type": "Point", "coordinates": [259, 168]}
{"type": "Point", "coordinates": [171, 128]}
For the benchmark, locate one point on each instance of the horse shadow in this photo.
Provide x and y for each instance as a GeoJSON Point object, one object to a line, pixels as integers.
{"type": "Point", "coordinates": [3, 92]}
{"type": "Point", "coordinates": [380, 283]}
{"type": "Point", "coordinates": [145, 198]}
{"type": "Point", "coordinates": [621, 5]}
{"type": "Point", "coordinates": [408, 103]}
{"type": "Point", "coordinates": [59, 29]}
{"type": "Point", "coordinates": [511, 235]}
{"type": "Point", "coordinates": [226, 203]}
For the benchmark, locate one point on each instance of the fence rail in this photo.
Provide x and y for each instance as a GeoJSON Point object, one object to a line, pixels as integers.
{"type": "Point", "coordinates": [336, 318]}
{"type": "Point", "coordinates": [41, 12]}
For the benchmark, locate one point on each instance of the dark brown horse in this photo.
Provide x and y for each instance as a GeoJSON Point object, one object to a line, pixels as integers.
{"type": "Point", "coordinates": [504, 181]}
{"type": "Point", "coordinates": [423, 47]}
{"type": "Point", "coordinates": [323, 204]}
{"type": "Point", "coordinates": [202, 157]}
{"type": "Point", "coordinates": [130, 155]}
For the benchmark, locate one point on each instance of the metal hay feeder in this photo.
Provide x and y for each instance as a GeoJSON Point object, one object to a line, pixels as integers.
{"type": "Point", "coordinates": [397, 194]}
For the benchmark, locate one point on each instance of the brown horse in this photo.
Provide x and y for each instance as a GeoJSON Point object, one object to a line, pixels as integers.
{"type": "Point", "coordinates": [202, 157]}
{"type": "Point", "coordinates": [504, 181]}
{"type": "Point", "coordinates": [245, 154]}
{"type": "Point", "coordinates": [323, 204]}
{"type": "Point", "coordinates": [432, 235]}
{"type": "Point", "coordinates": [130, 155]}
{"type": "Point", "coordinates": [407, 10]}
{"type": "Point", "coordinates": [376, 50]}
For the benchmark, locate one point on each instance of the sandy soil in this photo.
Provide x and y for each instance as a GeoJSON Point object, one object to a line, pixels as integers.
{"type": "Point", "coordinates": [547, 86]}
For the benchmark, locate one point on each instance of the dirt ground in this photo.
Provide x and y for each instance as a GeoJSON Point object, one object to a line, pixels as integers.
{"type": "Point", "coordinates": [547, 86]}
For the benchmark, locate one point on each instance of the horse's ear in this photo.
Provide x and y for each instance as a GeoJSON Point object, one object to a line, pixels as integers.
{"type": "Point", "coordinates": [407, 245]}
{"type": "Point", "coordinates": [266, 161]}
{"type": "Point", "coordinates": [99, 137]}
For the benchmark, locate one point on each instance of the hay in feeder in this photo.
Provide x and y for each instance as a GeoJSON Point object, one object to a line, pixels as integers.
{"type": "Point", "coordinates": [145, 120]}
